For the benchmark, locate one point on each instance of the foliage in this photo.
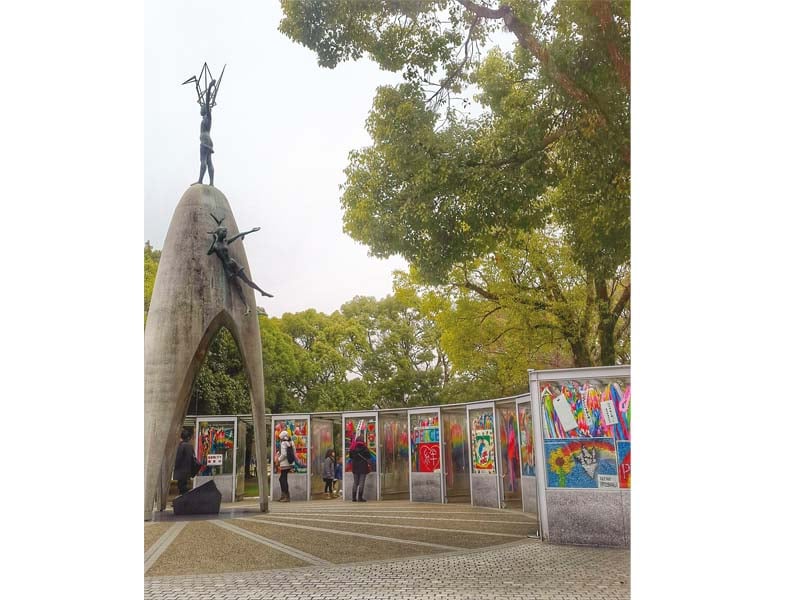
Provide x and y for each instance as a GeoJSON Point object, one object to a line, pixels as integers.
{"type": "Point", "coordinates": [221, 387]}
{"type": "Point", "coordinates": [400, 360]}
{"type": "Point", "coordinates": [546, 150]}
{"type": "Point", "coordinates": [151, 258]}
{"type": "Point", "coordinates": [281, 361]}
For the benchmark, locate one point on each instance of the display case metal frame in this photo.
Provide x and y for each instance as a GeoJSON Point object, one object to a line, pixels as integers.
{"type": "Point", "coordinates": [446, 441]}
{"type": "Point", "coordinates": [473, 477]}
{"type": "Point", "coordinates": [400, 416]}
{"type": "Point", "coordinates": [347, 483]}
{"type": "Point", "coordinates": [307, 474]}
{"type": "Point", "coordinates": [201, 479]}
{"type": "Point", "coordinates": [614, 535]}
{"type": "Point", "coordinates": [530, 498]}
{"type": "Point", "coordinates": [428, 410]}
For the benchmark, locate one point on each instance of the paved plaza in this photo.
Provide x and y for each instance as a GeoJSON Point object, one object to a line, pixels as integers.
{"type": "Point", "coordinates": [330, 549]}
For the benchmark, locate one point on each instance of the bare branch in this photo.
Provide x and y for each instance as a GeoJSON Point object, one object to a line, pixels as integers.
{"type": "Point", "coordinates": [444, 87]}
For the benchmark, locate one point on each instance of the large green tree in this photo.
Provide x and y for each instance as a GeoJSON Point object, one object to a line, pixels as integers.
{"type": "Point", "coordinates": [547, 148]}
{"type": "Point", "coordinates": [328, 347]}
{"type": "Point", "coordinates": [401, 360]}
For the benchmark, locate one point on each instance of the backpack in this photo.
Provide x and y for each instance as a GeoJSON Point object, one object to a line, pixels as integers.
{"type": "Point", "coordinates": [290, 457]}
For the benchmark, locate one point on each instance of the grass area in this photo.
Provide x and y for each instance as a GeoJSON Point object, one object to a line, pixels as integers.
{"type": "Point", "coordinates": [251, 487]}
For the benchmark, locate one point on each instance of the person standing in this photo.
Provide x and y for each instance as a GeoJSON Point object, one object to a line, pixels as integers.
{"type": "Point", "coordinates": [360, 459]}
{"type": "Point", "coordinates": [328, 473]}
{"type": "Point", "coordinates": [185, 460]}
{"type": "Point", "coordinates": [285, 460]}
{"type": "Point", "coordinates": [337, 473]}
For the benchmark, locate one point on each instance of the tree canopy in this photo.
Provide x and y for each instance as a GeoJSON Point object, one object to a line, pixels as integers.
{"type": "Point", "coordinates": [538, 146]}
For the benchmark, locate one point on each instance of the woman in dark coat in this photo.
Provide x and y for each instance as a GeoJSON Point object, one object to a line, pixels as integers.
{"type": "Point", "coordinates": [184, 462]}
{"type": "Point", "coordinates": [360, 458]}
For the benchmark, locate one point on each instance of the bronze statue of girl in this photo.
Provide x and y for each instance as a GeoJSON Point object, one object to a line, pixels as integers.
{"type": "Point", "coordinates": [219, 246]}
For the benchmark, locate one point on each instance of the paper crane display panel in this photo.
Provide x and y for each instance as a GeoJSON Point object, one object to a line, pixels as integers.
{"type": "Point", "coordinates": [425, 457]}
{"type": "Point", "coordinates": [215, 448]}
{"type": "Point", "coordinates": [298, 431]}
{"type": "Point", "coordinates": [509, 450]}
{"type": "Point", "coordinates": [526, 452]}
{"type": "Point", "coordinates": [482, 441]}
{"type": "Point", "coordinates": [581, 409]}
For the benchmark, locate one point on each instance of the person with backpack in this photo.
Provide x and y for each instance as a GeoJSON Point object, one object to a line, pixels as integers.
{"type": "Point", "coordinates": [285, 460]}
{"type": "Point", "coordinates": [186, 465]}
{"type": "Point", "coordinates": [329, 473]}
{"type": "Point", "coordinates": [360, 459]}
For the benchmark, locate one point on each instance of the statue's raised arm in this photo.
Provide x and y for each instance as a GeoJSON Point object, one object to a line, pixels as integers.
{"type": "Point", "coordinates": [244, 233]}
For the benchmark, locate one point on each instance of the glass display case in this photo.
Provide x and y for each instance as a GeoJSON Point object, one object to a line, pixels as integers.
{"type": "Point", "coordinates": [394, 455]}
{"type": "Point", "coordinates": [326, 434]}
{"type": "Point", "coordinates": [425, 451]}
{"type": "Point", "coordinates": [297, 426]}
{"type": "Point", "coordinates": [355, 425]}
{"type": "Point", "coordinates": [583, 419]}
{"type": "Point", "coordinates": [509, 463]}
{"type": "Point", "coordinates": [455, 449]}
{"type": "Point", "coordinates": [484, 482]}
{"type": "Point", "coordinates": [215, 447]}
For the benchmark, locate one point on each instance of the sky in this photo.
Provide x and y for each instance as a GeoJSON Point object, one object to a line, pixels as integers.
{"type": "Point", "coordinates": [282, 130]}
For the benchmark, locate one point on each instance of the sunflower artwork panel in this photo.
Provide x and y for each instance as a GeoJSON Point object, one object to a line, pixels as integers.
{"type": "Point", "coordinates": [585, 463]}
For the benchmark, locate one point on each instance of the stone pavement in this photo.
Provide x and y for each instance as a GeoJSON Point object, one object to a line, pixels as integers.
{"type": "Point", "coordinates": [403, 563]}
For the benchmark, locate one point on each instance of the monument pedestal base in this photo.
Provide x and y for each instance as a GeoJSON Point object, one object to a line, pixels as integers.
{"type": "Point", "coordinates": [203, 500]}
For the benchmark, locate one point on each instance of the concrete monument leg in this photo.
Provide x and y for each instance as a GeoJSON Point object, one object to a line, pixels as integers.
{"type": "Point", "coordinates": [192, 299]}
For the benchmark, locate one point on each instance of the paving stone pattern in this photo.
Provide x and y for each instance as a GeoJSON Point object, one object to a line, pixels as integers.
{"type": "Point", "coordinates": [522, 569]}
{"type": "Point", "coordinates": [529, 570]}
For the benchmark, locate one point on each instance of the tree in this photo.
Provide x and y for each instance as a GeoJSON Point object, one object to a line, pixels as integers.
{"type": "Point", "coordinates": [401, 361]}
{"type": "Point", "coordinates": [526, 306]}
{"type": "Point", "coordinates": [329, 346]}
{"type": "Point", "coordinates": [151, 259]}
{"type": "Point", "coordinates": [221, 386]}
{"type": "Point", "coordinates": [549, 150]}
{"type": "Point", "coordinates": [281, 362]}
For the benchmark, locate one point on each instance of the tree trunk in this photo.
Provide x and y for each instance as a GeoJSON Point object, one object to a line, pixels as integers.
{"type": "Point", "coordinates": [608, 320]}
{"type": "Point", "coordinates": [580, 352]}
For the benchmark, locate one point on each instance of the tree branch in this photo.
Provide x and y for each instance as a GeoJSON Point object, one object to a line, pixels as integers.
{"type": "Point", "coordinates": [490, 313]}
{"type": "Point", "coordinates": [526, 40]}
{"type": "Point", "coordinates": [602, 10]}
{"type": "Point", "coordinates": [518, 159]}
{"type": "Point", "coordinates": [502, 333]}
{"type": "Point", "coordinates": [621, 303]}
{"type": "Point", "coordinates": [445, 85]}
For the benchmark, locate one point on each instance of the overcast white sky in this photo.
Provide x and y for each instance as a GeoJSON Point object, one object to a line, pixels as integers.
{"type": "Point", "coordinates": [282, 129]}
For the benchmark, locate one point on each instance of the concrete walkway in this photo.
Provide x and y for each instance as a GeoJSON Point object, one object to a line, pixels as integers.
{"type": "Point", "coordinates": [330, 549]}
